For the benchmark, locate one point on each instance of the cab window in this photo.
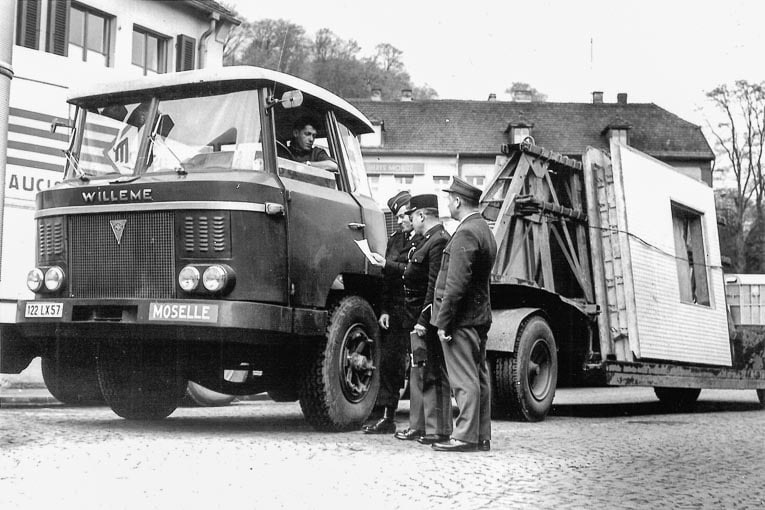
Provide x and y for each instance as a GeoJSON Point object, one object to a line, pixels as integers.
{"type": "Point", "coordinates": [351, 154]}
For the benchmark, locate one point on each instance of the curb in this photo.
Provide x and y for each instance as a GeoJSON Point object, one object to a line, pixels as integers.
{"type": "Point", "coordinates": [26, 397]}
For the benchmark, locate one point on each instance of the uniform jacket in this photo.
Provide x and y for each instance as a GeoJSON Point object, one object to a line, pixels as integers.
{"type": "Point", "coordinates": [396, 258]}
{"type": "Point", "coordinates": [421, 273]}
{"type": "Point", "coordinates": [462, 287]}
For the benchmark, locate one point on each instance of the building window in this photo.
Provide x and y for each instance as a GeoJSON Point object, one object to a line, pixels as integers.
{"type": "Point", "coordinates": [690, 255]}
{"type": "Point", "coordinates": [88, 34]}
{"type": "Point", "coordinates": [149, 51]}
{"type": "Point", "coordinates": [476, 180]}
{"type": "Point", "coordinates": [374, 184]}
{"type": "Point", "coordinates": [28, 23]}
{"type": "Point", "coordinates": [184, 57]}
{"type": "Point", "coordinates": [373, 139]}
{"type": "Point", "coordinates": [441, 182]}
{"type": "Point", "coordinates": [520, 133]}
{"type": "Point", "coordinates": [403, 180]}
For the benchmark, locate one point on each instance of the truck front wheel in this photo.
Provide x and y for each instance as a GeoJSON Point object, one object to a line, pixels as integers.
{"type": "Point", "coordinates": [140, 380]}
{"type": "Point", "coordinates": [70, 374]}
{"type": "Point", "coordinates": [340, 379]}
{"type": "Point", "coordinates": [524, 384]}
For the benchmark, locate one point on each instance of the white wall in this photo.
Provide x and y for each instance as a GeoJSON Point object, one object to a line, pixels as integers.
{"type": "Point", "coordinates": [668, 328]}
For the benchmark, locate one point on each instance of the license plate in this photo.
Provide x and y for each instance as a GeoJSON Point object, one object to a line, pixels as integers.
{"type": "Point", "coordinates": [44, 310]}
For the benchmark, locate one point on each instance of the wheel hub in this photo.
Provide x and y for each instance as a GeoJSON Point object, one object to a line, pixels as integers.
{"type": "Point", "coordinates": [357, 362]}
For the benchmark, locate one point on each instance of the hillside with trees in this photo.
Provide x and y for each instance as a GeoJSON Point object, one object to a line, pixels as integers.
{"type": "Point", "coordinates": [323, 58]}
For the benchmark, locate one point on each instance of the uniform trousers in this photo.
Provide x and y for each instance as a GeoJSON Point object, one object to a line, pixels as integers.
{"type": "Point", "coordinates": [465, 357]}
{"type": "Point", "coordinates": [430, 400]}
{"type": "Point", "coordinates": [394, 346]}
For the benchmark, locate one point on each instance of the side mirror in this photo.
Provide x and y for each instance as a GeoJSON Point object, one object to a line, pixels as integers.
{"type": "Point", "coordinates": [290, 99]}
{"type": "Point", "coordinates": [56, 122]}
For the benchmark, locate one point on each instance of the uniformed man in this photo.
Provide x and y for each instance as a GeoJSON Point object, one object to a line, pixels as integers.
{"type": "Point", "coordinates": [462, 314]}
{"type": "Point", "coordinates": [430, 410]}
{"type": "Point", "coordinates": [395, 336]}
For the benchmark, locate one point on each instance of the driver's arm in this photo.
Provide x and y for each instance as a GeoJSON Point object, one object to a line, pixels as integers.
{"type": "Point", "coordinates": [326, 164]}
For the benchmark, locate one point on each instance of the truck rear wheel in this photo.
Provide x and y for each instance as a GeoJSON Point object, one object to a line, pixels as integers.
{"type": "Point", "coordinates": [340, 379]}
{"type": "Point", "coordinates": [139, 380]}
{"type": "Point", "coordinates": [677, 399]}
{"type": "Point", "coordinates": [71, 376]}
{"type": "Point", "coordinates": [524, 384]}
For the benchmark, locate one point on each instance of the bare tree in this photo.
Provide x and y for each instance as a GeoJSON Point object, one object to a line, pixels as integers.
{"type": "Point", "coordinates": [739, 148]}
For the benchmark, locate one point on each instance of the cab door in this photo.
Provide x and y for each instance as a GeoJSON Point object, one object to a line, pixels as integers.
{"type": "Point", "coordinates": [324, 221]}
{"type": "Point", "coordinates": [375, 231]}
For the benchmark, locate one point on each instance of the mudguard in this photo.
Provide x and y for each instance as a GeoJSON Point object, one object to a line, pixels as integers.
{"type": "Point", "coordinates": [504, 328]}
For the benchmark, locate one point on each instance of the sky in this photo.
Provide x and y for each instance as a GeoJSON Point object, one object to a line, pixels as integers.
{"type": "Point", "coordinates": [666, 52]}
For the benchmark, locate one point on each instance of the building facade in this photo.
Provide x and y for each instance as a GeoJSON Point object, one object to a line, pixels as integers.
{"type": "Point", "coordinates": [420, 145]}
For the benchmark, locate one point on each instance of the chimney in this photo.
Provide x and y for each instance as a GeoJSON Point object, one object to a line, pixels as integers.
{"type": "Point", "coordinates": [406, 94]}
{"type": "Point", "coordinates": [376, 95]}
{"type": "Point", "coordinates": [621, 98]}
{"type": "Point", "coordinates": [597, 97]}
{"type": "Point", "coordinates": [492, 97]}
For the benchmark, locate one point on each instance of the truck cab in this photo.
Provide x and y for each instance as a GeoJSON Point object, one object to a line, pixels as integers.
{"type": "Point", "coordinates": [186, 240]}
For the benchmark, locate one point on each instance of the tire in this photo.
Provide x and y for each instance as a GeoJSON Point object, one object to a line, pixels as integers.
{"type": "Point", "coordinates": [198, 395]}
{"type": "Point", "coordinates": [524, 383]}
{"type": "Point", "coordinates": [140, 380]}
{"type": "Point", "coordinates": [283, 395]}
{"type": "Point", "coordinates": [71, 376]}
{"type": "Point", "coordinates": [336, 392]}
{"type": "Point", "coordinates": [761, 398]}
{"type": "Point", "coordinates": [677, 399]}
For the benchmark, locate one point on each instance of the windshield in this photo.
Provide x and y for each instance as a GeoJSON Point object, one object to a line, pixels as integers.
{"type": "Point", "coordinates": [208, 133]}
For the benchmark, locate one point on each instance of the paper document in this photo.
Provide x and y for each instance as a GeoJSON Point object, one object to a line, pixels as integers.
{"type": "Point", "coordinates": [364, 247]}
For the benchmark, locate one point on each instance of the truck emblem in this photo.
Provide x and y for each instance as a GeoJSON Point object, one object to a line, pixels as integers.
{"type": "Point", "coordinates": [118, 227]}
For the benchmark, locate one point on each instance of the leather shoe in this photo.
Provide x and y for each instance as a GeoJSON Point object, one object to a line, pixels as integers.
{"type": "Point", "coordinates": [383, 426]}
{"type": "Point", "coordinates": [484, 445]}
{"type": "Point", "coordinates": [455, 445]}
{"type": "Point", "coordinates": [433, 438]}
{"type": "Point", "coordinates": [409, 434]}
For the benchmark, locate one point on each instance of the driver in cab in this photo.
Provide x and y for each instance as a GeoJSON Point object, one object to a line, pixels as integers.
{"type": "Point", "coordinates": [301, 146]}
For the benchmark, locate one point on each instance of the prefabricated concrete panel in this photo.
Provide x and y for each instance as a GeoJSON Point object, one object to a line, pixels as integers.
{"type": "Point", "coordinates": [667, 328]}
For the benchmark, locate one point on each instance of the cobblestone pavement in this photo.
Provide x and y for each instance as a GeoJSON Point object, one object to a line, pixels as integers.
{"type": "Point", "coordinates": [600, 448]}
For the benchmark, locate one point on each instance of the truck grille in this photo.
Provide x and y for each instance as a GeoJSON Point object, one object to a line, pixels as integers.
{"type": "Point", "coordinates": [140, 265]}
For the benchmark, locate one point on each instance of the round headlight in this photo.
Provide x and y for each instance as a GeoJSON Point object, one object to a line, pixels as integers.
{"type": "Point", "coordinates": [35, 280]}
{"type": "Point", "coordinates": [215, 278]}
{"type": "Point", "coordinates": [54, 278]}
{"type": "Point", "coordinates": [188, 278]}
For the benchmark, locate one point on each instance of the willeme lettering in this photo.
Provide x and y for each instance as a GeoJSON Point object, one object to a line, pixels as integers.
{"type": "Point", "coordinates": [117, 195]}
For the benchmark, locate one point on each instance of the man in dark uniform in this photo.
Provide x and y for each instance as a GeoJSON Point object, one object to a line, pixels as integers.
{"type": "Point", "coordinates": [395, 337]}
{"type": "Point", "coordinates": [462, 314]}
{"type": "Point", "coordinates": [301, 146]}
{"type": "Point", "coordinates": [430, 410]}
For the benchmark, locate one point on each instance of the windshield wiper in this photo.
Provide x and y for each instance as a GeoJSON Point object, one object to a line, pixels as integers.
{"type": "Point", "coordinates": [75, 165]}
{"type": "Point", "coordinates": [180, 169]}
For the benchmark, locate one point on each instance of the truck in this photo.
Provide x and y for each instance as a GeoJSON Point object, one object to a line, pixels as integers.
{"type": "Point", "coordinates": [184, 244]}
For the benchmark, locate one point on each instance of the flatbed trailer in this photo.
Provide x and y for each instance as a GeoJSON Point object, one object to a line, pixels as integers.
{"type": "Point", "coordinates": [608, 273]}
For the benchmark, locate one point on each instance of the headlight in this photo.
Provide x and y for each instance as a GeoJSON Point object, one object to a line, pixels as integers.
{"type": "Point", "coordinates": [215, 278]}
{"type": "Point", "coordinates": [188, 278]}
{"type": "Point", "coordinates": [54, 278]}
{"type": "Point", "coordinates": [35, 280]}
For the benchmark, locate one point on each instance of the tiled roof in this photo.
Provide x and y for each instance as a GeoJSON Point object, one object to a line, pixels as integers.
{"type": "Point", "coordinates": [478, 127]}
{"type": "Point", "coordinates": [213, 6]}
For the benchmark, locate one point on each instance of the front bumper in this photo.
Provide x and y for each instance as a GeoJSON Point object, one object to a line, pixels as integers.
{"type": "Point", "coordinates": [181, 319]}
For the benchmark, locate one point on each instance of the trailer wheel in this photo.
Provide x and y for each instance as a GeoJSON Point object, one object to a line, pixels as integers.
{"type": "Point", "coordinates": [525, 383]}
{"type": "Point", "coordinates": [71, 376]}
{"type": "Point", "coordinates": [340, 379]}
{"type": "Point", "coordinates": [140, 380]}
{"type": "Point", "coordinates": [677, 399]}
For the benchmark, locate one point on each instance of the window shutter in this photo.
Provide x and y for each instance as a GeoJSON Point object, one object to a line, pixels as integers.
{"type": "Point", "coordinates": [58, 24]}
{"type": "Point", "coordinates": [185, 49]}
{"type": "Point", "coordinates": [28, 23]}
